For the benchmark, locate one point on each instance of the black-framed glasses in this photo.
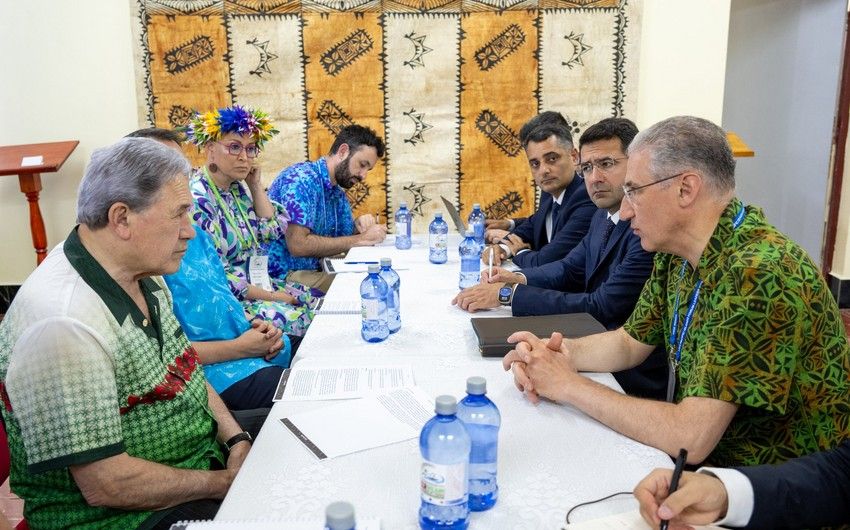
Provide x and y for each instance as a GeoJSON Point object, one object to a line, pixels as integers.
{"type": "Point", "coordinates": [631, 192]}
{"type": "Point", "coordinates": [235, 149]}
{"type": "Point", "coordinates": [604, 165]}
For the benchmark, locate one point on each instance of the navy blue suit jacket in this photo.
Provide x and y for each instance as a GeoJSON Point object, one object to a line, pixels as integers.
{"type": "Point", "coordinates": [606, 285]}
{"type": "Point", "coordinates": [568, 228]}
{"type": "Point", "coordinates": [806, 492]}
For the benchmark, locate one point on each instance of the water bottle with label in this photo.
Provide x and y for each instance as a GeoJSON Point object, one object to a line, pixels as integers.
{"type": "Point", "coordinates": [481, 418]}
{"type": "Point", "coordinates": [373, 306]}
{"type": "Point", "coordinates": [469, 261]}
{"type": "Point", "coordinates": [402, 227]}
{"type": "Point", "coordinates": [340, 516]}
{"type": "Point", "coordinates": [393, 299]}
{"type": "Point", "coordinates": [476, 223]}
{"type": "Point", "coordinates": [438, 235]}
{"type": "Point", "coordinates": [445, 447]}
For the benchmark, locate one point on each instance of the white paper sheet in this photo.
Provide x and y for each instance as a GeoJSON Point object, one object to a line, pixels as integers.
{"type": "Point", "coordinates": [29, 161]}
{"type": "Point", "coordinates": [362, 524]}
{"type": "Point", "coordinates": [621, 521]}
{"type": "Point", "coordinates": [341, 382]}
{"type": "Point", "coordinates": [361, 424]}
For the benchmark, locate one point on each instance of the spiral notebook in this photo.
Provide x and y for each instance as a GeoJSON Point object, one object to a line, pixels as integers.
{"type": "Point", "coordinates": [337, 307]}
{"type": "Point", "coordinates": [373, 523]}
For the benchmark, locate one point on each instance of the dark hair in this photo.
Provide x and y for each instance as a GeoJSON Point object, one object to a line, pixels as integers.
{"type": "Point", "coordinates": [157, 133]}
{"type": "Point", "coordinates": [621, 128]}
{"type": "Point", "coordinates": [357, 136]}
{"type": "Point", "coordinates": [545, 118]}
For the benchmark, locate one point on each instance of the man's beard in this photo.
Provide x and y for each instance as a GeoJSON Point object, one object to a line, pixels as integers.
{"type": "Point", "coordinates": [343, 175]}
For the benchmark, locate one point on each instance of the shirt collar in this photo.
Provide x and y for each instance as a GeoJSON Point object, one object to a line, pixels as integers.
{"type": "Point", "coordinates": [559, 199]}
{"type": "Point", "coordinates": [724, 240]}
{"type": "Point", "coordinates": [321, 167]}
{"type": "Point", "coordinates": [614, 217]}
{"type": "Point", "coordinates": [113, 295]}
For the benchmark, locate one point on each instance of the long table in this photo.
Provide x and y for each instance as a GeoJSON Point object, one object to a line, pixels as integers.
{"type": "Point", "coordinates": [551, 457]}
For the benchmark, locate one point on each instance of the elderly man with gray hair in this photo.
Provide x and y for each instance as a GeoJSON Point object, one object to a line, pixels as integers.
{"type": "Point", "coordinates": [759, 359]}
{"type": "Point", "coordinates": [110, 420]}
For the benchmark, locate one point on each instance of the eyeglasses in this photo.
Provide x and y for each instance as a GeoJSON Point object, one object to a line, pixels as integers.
{"type": "Point", "coordinates": [604, 165]}
{"type": "Point", "coordinates": [235, 149]}
{"type": "Point", "coordinates": [631, 192]}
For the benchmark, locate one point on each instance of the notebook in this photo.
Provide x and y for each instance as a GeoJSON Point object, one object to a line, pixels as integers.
{"type": "Point", "coordinates": [338, 307]}
{"type": "Point", "coordinates": [455, 215]}
{"type": "Point", "coordinates": [492, 333]}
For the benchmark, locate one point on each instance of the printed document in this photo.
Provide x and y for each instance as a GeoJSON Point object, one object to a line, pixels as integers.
{"type": "Point", "coordinates": [341, 382]}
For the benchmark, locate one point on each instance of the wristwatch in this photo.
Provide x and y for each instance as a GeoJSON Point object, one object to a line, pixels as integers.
{"type": "Point", "coordinates": [236, 438]}
{"type": "Point", "coordinates": [505, 294]}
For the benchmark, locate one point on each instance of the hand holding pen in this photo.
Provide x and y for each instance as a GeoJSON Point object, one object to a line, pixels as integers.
{"type": "Point", "coordinates": [674, 481]}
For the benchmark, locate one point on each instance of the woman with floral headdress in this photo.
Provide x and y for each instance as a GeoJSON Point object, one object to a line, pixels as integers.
{"type": "Point", "coordinates": [232, 138]}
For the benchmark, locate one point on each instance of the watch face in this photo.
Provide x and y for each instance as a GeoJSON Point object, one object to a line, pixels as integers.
{"type": "Point", "coordinates": [505, 294]}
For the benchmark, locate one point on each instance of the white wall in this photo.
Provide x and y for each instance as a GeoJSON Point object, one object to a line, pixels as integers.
{"type": "Point", "coordinates": [68, 74]}
{"type": "Point", "coordinates": [682, 59]}
{"type": "Point", "coordinates": [784, 62]}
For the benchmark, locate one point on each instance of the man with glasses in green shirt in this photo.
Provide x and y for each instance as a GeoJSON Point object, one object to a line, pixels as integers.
{"type": "Point", "coordinates": [759, 359]}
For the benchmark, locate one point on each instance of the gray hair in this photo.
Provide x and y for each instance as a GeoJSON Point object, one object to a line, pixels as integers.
{"type": "Point", "coordinates": [686, 143]}
{"type": "Point", "coordinates": [131, 171]}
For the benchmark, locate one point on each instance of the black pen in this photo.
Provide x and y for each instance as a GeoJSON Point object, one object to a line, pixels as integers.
{"type": "Point", "coordinates": [674, 482]}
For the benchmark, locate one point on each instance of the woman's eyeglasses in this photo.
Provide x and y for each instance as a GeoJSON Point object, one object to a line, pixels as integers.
{"type": "Point", "coordinates": [235, 149]}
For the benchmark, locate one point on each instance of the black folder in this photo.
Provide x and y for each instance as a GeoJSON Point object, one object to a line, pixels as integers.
{"type": "Point", "coordinates": [492, 333]}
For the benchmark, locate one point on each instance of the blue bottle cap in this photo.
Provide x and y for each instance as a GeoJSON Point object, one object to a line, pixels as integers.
{"type": "Point", "coordinates": [476, 385]}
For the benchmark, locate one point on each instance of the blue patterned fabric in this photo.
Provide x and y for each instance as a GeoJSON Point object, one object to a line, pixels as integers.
{"type": "Point", "coordinates": [312, 201]}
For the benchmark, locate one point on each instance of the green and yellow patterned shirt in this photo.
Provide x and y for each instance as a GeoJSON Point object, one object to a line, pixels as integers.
{"type": "Point", "coordinates": [766, 335]}
{"type": "Point", "coordinates": [84, 376]}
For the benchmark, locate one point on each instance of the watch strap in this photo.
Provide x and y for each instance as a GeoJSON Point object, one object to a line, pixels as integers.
{"type": "Point", "coordinates": [243, 436]}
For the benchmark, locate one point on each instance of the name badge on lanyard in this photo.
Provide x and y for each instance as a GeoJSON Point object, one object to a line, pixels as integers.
{"type": "Point", "coordinates": [677, 338]}
{"type": "Point", "coordinates": [258, 271]}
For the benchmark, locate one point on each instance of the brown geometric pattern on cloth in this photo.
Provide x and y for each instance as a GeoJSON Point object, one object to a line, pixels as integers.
{"type": "Point", "coordinates": [188, 70]}
{"type": "Point", "coordinates": [499, 77]}
{"type": "Point", "coordinates": [342, 51]}
{"type": "Point", "coordinates": [447, 83]}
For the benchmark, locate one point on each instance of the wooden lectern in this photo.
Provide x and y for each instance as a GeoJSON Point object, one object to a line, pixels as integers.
{"type": "Point", "coordinates": [53, 155]}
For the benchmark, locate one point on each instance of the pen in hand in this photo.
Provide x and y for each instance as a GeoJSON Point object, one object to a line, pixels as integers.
{"type": "Point", "coordinates": [674, 481]}
{"type": "Point", "coordinates": [490, 264]}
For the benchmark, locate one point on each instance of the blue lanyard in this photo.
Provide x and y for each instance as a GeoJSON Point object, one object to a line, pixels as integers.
{"type": "Point", "coordinates": [677, 342]}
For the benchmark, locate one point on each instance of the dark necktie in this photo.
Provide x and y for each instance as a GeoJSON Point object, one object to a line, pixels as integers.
{"type": "Point", "coordinates": [555, 208]}
{"type": "Point", "coordinates": [606, 235]}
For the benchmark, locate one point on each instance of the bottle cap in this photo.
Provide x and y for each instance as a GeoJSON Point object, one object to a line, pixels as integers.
{"type": "Point", "coordinates": [445, 405]}
{"type": "Point", "coordinates": [476, 206]}
{"type": "Point", "coordinates": [339, 516]}
{"type": "Point", "coordinates": [402, 204]}
{"type": "Point", "coordinates": [476, 385]}
{"type": "Point", "coordinates": [438, 215]}
{"type": "Point", "coordinates": [386, 262]}
{"type": "Point", "coordinates": [470, 233]}
{"type": "Point", "coordinates": [374, 268]}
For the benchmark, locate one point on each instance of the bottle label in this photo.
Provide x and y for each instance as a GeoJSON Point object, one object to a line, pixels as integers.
{"type": "Point", "coordinates": [444, 485]}
{"type": "Point", "coordinates": [370, 308]}
{"type": "Point", "coordinates": [401, 229]}
{"type": "Point", "coordinates": [439, 241]}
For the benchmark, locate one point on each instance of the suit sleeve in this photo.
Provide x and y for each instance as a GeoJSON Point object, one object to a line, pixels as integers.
{"type": "Point", "coordinates": [564, 240]}
{"type": "Point", "coordinates": [805, 492]}
{"type": "Point", "coordinates": [611, 302]}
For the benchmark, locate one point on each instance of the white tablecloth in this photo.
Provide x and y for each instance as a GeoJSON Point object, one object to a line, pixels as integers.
{"type": "Point", "coordinates": [551, 457]}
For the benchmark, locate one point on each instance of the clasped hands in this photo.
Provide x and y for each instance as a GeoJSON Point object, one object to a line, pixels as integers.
{"type": "Point", "coordinates": [263, 339]}
{"type": "Point", "coordinates": [542, 368]}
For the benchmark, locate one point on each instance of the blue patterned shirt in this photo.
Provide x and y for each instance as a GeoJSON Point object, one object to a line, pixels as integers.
{"type": "Point", "coordinates": [312, 201]}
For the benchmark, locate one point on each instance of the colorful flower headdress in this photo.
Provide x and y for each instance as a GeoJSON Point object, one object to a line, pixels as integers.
{"type": "Point", "coordinates": [210, 126]}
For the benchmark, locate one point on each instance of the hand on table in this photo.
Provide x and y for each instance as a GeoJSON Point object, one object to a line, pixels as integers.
{"type": "Point", "coordinates": [478, 297]}
{"type": "Point", "coordinates": [700, 499]}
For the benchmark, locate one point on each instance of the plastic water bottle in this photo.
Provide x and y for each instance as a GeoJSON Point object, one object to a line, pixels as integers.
{"type": "Point", "coordinates": [402, 227]}
{"type": "Point", "coordinates": [476, 223]}
{"type": "Point", "coordinates": [393, 299]}
{"type": "Point", "coordinates": [373, 306]}
{"type": "Point", "coordinates": [445, 445]}
{"type": "Point", "coordinates": [340, 516]}
{"type": "Point", "coordinates": [469, 268]}
{"type": "Point", "coordinates": [438, 237]}
{"type": "Point", "coordinates": [481, 419]}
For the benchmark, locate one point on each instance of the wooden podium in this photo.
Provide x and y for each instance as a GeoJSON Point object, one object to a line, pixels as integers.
{"type": "Point", "coordinates": [53, 156]}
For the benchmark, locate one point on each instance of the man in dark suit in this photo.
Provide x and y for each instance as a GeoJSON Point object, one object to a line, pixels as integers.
{"type": "Point", "coordinates": [565, 210]}
{"type": "Point", "coordinates": [805, 492]}
{"type": "Point", "coordinates": [603, 275]}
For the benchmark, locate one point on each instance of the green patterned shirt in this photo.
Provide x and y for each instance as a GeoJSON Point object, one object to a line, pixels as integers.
{"type": "Point", "coordinates": [766, 335]}
{"type": "Point", "coordinates": [84, 376]}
